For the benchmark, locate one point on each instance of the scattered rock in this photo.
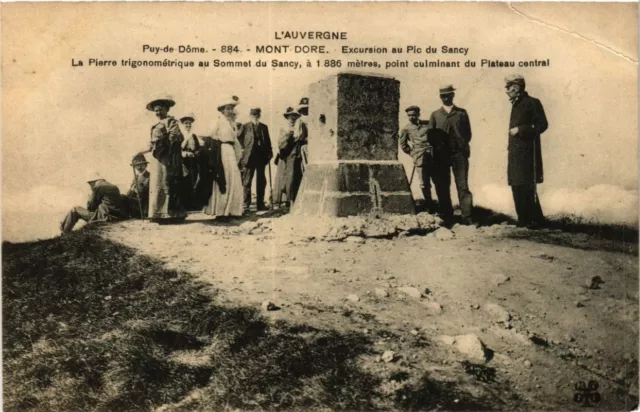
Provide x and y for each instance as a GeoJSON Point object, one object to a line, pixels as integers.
{"type": "Point", "coordinates": [444, 234]}
{"type": "Point", "coordinates": [538, 340]}
{"type": "Point", "coordinates": [414, 332]}
{"type": "Point", "coordinates": [501, 279]}
{"type": "Point", "coordinates": [620, 376]}
{"type": "Point", "coordinates": [471, 346]}
{"type": "Point", "coordinates": [354, 239]}
{"type": "Point", "coordinates": [579, 304]}
{"type": "Point", "coordinates": [465, 230]}
{"type": "Point", "coordinates": [388, 356]}
{"type": "Point", "coordinates": [498, 313]}
{"type": "Point", "coordinates": [594, 282]}
{"type": "Point", "coordinates": [410, 291]}
{"type": "Point", "coordinates": [381, 293]}
{"type": "Point", "coordinates": [353, 298]}
{"type": "Point", "coordinates": [569, 338]}
{"type": "Point", "coordinates": [267, 305]}
{"type": "Point", "coordinates": [433, 307]}
{"type": "Point", "coordinates": [527, 363]}
{"type": "Point", "coordinates": [445, 340]}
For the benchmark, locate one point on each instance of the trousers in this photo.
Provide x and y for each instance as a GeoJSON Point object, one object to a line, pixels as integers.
{"type": "Point", "coordinates": [261, 184]}
{"type": "Point", "coordinates": [527, 204]}
{"type": "Point", "coordinates": [73, 216]}
{"type": "Point", "coordinates": [460, 168]}
{"type": "Point", "coordinates": [430, 170]}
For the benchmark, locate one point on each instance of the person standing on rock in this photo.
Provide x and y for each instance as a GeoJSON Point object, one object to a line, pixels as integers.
{"type": "Point", "coordinates": [454, 121]}
{"type": "Point", "coordinates": [256, 155]}
{"type": "Point", "coordinates": [526, 123]}
{"type": "Point", "coordinates": [227, 200]}
{"type": "Point", "coordinates": [431, 157]}
{"type": "Point", "coordinates": [104, 205]}
{"type": "Point", "coordinates": [166, 199]}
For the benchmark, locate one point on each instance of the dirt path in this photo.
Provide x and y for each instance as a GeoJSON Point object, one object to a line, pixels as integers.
{"type": "Point", "coordinates": [527, 301]}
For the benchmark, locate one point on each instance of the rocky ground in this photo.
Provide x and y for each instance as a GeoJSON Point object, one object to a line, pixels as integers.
{"type": "Point", "coordinates": [506, 313]}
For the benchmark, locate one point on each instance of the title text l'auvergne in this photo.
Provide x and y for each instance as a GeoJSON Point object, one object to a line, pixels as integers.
{"type": "Point", "coordinates": [310, 35]}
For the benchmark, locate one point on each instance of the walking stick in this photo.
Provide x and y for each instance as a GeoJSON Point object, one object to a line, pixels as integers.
{"type": "Point", "coordinates": [135, 179]}
{"type": "Point", "coordinates": [412, 173]}
{"type": "Point", "coordinates": [270, 187]}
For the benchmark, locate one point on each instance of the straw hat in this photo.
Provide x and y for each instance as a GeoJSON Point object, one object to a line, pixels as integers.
{"type": "Point", "coordinates": [166, 101]}
{"type": "Point", "coordinates": [139, 159]}
{"type": "Point", "coordinates": [94, 176]}
{"type": "Point", "coordinates": [188, 116]}
{"type": "Point", "coordinates": [229, 101]}
{"type": "Point", "coordinates": [290, 112]}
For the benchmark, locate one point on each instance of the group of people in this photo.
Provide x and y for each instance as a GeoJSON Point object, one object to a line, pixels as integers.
{"type": "Point", "coordinates": [212, 173]}
{"type": "Point", "coordinates": [441, 146]}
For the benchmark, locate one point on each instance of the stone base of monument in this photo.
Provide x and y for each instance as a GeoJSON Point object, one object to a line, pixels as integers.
{"type": "Point", "coordinates": [347, 188]}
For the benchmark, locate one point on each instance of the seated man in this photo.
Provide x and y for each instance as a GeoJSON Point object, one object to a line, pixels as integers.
{"type": "Point", "coordinates": [104, 205]}
{"type": "Point", "coordinates": [132, 202]}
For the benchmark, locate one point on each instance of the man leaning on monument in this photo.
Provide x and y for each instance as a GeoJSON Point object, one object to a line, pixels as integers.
{"type": "Point", "coordinates": [454, 121]}
{"type": "Point", "coordinates": [104, 205]}
{"type": "Point", "coordinates": [432, 158]}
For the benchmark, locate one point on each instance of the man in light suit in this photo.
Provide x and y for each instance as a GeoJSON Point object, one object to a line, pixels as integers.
{"type": "Point", "coordinates": [256, 155]}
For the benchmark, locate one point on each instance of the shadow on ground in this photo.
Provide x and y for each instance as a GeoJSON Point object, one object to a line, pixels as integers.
{"type": "Point", "coordinates": [95, 326]}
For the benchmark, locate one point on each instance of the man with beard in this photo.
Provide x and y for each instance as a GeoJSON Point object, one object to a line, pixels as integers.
{"type": "Point", "coordinates": [256, 155]}
{"type": "Point", "coordinates": [526, 124]}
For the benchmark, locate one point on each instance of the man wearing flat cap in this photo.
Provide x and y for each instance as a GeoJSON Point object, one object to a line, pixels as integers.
{"type": "Point", "coordinates": [104, 205]}
{"type": "Point", "coordinates": [256, 155]}
{"type": "Point", "coordinates": [524, 172]}
{"type": "Point", "coordinates": [431, 157]}
{"type": "Point", "coordinates": [138, 195]}
{"type": "Point", "coordinates": [454, 122]}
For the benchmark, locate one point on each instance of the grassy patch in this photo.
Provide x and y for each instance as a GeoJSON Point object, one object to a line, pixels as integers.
{"type": "Point", "coordinates": [90, 325]}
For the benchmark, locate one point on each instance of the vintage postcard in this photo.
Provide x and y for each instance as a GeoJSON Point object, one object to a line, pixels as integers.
{"type": "Point", "coordinates": [319, 206]}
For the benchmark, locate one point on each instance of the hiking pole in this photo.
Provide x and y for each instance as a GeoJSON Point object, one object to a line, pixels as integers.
{"type": "Point", "coordinates": [135, 179]}
{"type": "Point", "coordinates": [270, 187]}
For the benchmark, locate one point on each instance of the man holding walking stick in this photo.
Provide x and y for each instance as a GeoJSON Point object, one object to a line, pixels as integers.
{"type": "Point", "coordinates": [526, 124]}
{"type": "Point", "coordinates": [137, 198]}
{"type": "Point", "coordinates": [256, 155]}
{"type": "Point", "coordinates": [432, 158]}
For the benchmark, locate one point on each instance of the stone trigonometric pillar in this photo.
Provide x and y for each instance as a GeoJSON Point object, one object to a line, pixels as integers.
{"type": "Point", "coordinates": [353, 149]}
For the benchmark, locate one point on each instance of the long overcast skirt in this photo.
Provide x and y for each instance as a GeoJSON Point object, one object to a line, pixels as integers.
{"type": "Point", "coordinates": [231, 202]}
{"type": "Point", "coordinates": [165, 201]}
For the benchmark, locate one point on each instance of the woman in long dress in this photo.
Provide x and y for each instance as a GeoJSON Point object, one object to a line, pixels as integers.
{"type": "Point", "coordinates": [227, 200]}
{"type": "Point", "coordinates": [166, 202]}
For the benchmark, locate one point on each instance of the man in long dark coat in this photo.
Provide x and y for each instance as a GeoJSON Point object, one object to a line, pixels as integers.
{"type": "Point", "coordinates": [256, 155]}
{"type": "Point", "coordinates": [454, 121]}
{"type": "Point", "coordinates": [138, 195]}
{"type": "Point", "coordinates": [431, 154]}
{"type": "Point", "coordinates": [526, 124]}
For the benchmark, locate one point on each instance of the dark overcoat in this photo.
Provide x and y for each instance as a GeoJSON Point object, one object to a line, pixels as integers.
{"type": "Point", "coordinates": [525, 154]}
{"type": "Point", "coordinates": [456, 125]}
{"type": "Point", "coordinates": [256, 145]}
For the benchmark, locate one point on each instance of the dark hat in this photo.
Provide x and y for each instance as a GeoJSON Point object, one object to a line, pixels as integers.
{"type": "Point", "coordinates": [188, 116]}
{"type": "Point", "coordinates": [304, 103]}
{"type": "Point", "coordinates": [514, 79]}
{"type": "Point", "coordinates": [255, 111]}
{"type": "Point", "coordinates": [166, 101]}
{"type": "Point", "coordinates": [448, 89]}
{"type": "Point", "coordinates": [290, 112]}
{"type": "Point", "coordinates": [139, 159]}
{"type": "Point", "coordinates": [412, 109]}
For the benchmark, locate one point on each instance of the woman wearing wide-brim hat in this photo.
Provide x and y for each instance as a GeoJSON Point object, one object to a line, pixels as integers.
{"type": "Point", "coordinates": [289, 173]}
{"type": "Point", "coordinates": [227, 199]}
{"type": "Point", "coordinates": [166, 202]}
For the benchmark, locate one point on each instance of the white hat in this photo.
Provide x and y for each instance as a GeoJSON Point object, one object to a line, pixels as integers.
{"type": "Point", "coordinates": [165, 100]}
{"type": "Point", "coordinates": [93, 176]}
{"type": "Point", "coordinates": [229, 101]}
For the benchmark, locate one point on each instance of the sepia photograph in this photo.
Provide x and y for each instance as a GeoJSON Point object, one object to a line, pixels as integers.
{"type": "Point", "coordinates": [319, 206]}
